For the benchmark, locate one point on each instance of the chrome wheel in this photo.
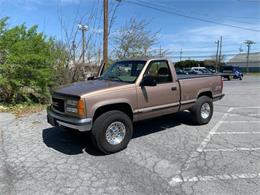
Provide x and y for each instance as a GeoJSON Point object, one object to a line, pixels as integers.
{"type": "Point", "coordinates": [115, 133]}
{"type": "Point", "coordinates": [205, 110]}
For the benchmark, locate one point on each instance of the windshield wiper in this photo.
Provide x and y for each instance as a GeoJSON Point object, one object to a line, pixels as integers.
{"type": "Point", "coordinates": [115, 78]}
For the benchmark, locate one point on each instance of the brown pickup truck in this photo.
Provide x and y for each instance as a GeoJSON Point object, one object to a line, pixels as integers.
{"type": "Point", "coordinates": [130, 91]}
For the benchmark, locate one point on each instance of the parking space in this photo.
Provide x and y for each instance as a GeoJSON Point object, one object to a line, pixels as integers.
{"type": "Point", "coordinates": [229, 152]}
{"type": "Point", "coordinates": [245, 135]}
{"type": "Point", "coordinates": [168, 155]}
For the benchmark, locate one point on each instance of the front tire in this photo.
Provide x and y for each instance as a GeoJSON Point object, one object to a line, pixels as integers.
{"type": "Point", "coordinates": [202, 111]}
{"type": "Point", "coordinates": [112, 131]}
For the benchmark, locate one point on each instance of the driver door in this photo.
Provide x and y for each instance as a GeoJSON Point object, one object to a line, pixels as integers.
{"type": "Point", "coordinates": [162, 98]}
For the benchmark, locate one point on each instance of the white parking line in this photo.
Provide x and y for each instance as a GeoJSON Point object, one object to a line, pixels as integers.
{"type": "Point", "coordinates": [230, 149]}
{"type": "Point", "coordinates": [243, 114]}
{"type": "Point", "coordinates": [237, 132]}
{"type": "Point", "coordinates": [236, 108]}
{"type": "Point", "coordinates": [178, 180]}
{"type": "Point", "coordinates": [241, 121]}
{"type": "Point", "coordinates": [205, 142]}
{"type": "Point", "coordinates": [254, 114]}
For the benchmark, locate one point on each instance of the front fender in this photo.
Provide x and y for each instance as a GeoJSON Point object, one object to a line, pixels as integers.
{"type": "Point", "coordinates": [109, 102]}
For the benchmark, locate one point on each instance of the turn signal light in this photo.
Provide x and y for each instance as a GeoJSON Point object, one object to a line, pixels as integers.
{"type": "Point", "coordinates": [81, 108]}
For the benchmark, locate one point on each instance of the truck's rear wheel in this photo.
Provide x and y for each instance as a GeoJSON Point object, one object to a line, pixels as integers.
{"type": "Point", "coordinates": [112, 131]}
{"type": "Point", "coordinates": [203, 110]}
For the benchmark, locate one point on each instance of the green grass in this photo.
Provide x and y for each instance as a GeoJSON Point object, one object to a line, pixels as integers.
{"type": "Point", "coordinates": [22, 109]}
{"type": "Point", "coordinates": [256, 74]}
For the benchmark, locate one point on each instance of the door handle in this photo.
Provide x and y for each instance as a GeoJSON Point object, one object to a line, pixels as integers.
{"type": "Point", "coordinates": [174, 88]}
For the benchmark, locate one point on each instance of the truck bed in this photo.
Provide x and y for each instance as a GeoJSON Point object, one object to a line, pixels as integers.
{"type": "Point", "coordinates": [193, 76]}
{"type": "Point", "coordinates": [192, 85]}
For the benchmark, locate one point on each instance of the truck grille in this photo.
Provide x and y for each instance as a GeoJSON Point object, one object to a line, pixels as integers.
{"type": "Point", "coordinates": [58, 104]}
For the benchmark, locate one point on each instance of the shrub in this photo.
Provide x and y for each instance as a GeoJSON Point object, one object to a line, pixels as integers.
{"type": "Point", "coordinates": [29, 63]}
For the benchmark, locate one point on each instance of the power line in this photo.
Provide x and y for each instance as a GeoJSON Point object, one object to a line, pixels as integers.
{"type": "Point", "coordinates": [161, 4]}
{"type": "Point", "coordinates": [203, 14]}
{"type": "Point", "coordinates": [203, 56]}
{"type": "Point", "coordinates": [151, 6]}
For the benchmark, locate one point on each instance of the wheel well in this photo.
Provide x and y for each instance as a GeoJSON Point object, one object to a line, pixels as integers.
{"type": "Point", "coordinates": [123, 107]}
{"type": "Point", "coordinates": [206, 93]}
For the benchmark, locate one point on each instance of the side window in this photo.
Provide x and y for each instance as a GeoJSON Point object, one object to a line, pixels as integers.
{"type": "Point", "coordinates": [160, 71]}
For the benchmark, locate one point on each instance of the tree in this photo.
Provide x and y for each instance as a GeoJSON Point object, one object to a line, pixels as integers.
{"type": "Point", "coordinates": [29, 62]}
{"type": "Point", "coordinates": [133, 40]}
{"type": "Point", "coordinates": [188, 63]}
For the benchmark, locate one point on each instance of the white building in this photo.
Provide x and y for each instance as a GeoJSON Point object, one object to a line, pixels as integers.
{"type": "Point", "coordinates": [241, 59]}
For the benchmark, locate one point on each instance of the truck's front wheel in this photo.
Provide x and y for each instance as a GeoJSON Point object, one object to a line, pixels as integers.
{"type": "Point", "coordinates": [202, 110]}
{"type": "Point", "coordinates": [112, 131]}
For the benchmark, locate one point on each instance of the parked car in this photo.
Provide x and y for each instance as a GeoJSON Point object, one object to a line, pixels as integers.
{"type": "Point", "coordinates": [130, 91]}
{"type": "Point", "coordinates": [211, 68]}
{"type": "Point", "coordinates": [190, 72]}
{"type": "Point", "coordinates": [180, 71]}
{"type": "Point", "coordinates": [229, 72]}
{"type": "Point", "coordinates": [201, 70]}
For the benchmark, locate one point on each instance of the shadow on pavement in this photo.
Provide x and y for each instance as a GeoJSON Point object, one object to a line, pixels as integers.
{"type": "Point", "coordinates": [162, 123]}
{"type": "Point", "coordinates": [72, 142]}
{"type": "Point", "coordinates": [69, 141]}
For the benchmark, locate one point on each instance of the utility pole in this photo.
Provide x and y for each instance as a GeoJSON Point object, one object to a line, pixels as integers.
{"type": "Point", "coordinates": [181, 54]}
{"type": "Point", "coordinates": [105, 35]}
{"type": "Point", "coordinates": [83, 29]}
{"type": "Point", "coordinates": [220, 50]}
{"type": "Point", "coordinates": [160, 51]}
{"type": "Point", "coordinates": [248, 43]}
{"type": "Point", "coordinates": [216, 66]}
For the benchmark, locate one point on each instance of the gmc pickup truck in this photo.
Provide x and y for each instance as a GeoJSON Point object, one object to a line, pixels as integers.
{"type": "Point", "coordinates": [130, 91]}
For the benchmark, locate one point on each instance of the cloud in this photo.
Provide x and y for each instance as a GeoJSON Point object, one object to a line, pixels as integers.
{"type": "Point", "coordinates": [206, 35]}
{"type": "Point", "coordinates": [200, 41]}
{"type": "Point", "coordinates": [36, 4]}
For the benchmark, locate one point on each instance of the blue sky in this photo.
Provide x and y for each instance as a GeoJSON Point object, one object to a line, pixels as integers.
{"type": "Point", "coordinates": [195, 38]}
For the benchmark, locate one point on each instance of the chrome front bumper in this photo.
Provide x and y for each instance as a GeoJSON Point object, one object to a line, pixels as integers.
{"type": "Point", "coordinates": [56, 119]}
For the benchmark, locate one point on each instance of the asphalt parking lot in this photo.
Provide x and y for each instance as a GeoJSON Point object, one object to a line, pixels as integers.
{"type": "Point", "coordinates": [168, 155]}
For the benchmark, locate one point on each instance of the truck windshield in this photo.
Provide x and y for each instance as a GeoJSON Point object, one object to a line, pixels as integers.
{"type": "Point", "coordinates": [124, 71]}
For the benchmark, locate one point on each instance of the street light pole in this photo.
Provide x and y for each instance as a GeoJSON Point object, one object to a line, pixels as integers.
{"type": "Point", "coordinates": [83, 29]}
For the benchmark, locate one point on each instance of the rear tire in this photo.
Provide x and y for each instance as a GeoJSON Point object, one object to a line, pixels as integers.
{"type": "Point", "coordinates": [112, 131]}
{"type": "Point", "coordinates": [202, 111]}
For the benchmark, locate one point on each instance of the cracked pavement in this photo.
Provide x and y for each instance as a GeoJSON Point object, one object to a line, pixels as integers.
{"type": "Point", "coordinates": [162, 157]}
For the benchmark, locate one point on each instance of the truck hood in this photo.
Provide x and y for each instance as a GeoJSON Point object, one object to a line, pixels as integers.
{"type": "Point", "coordinates": [82, 88]}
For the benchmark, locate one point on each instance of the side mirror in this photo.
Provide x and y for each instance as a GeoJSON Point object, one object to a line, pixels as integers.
{"type": "Point", "coordinates": [91, 78]}
{"type": "Point", "coordinates": [148, 81]}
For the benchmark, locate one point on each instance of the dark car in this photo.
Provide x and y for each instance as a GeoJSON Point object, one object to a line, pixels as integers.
{"type": "Point", "coordinates": [231, 72]}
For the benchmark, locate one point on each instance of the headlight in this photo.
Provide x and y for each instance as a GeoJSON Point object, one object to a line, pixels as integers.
{"type": "Point", "coordinates": [72, 110]}
{"type": "Point", "coordinates": [76, 107]}
{"type": "Point", "coordinates": [71, 102]}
